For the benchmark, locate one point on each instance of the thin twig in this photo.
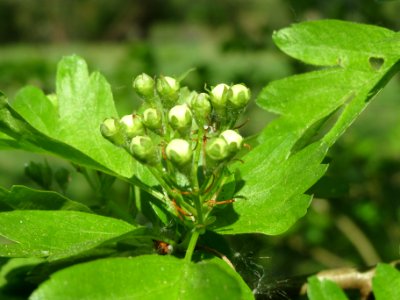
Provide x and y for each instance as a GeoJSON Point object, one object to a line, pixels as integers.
{"type": "Point", "coordinates": [358, 239]}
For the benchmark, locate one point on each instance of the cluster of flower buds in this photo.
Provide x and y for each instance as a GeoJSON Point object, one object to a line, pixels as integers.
{"type": "Point", "coordinates": [176, 130]}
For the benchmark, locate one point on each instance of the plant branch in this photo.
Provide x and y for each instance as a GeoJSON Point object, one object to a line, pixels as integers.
{"type": "Point", "coordinates": [144, 187]}
{"type": "Point", "coordinates": [192, 246]}
{"type": "Point", "coordinates": [358, 239]}
{"type": "Point", "coordinates": [347, 278]}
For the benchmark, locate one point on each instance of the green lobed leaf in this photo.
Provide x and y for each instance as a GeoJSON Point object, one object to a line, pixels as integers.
{"type": "Point", "coordinates": [55, 234]}
{"type": "Point", "coordinates": [24, 198]}
{"type": "Point", "coordinates": [315, 108]}
{"type": "Point", "coordinates": [272, 205]}
{"type": "Point", "coordinates": [145, 277]}
{"type": "Point", "coordinates": [335, 42]}
{"type": "Point", "coordinates": [74, 114]}
{"type": "Point", "coordinates": [21, 135]}
{"type": "Point", "coordinates": [68, 123]}
{"type": "Point", "coordinates": [386, 283]}
{"type": "Point", "coordinates": [324, 290]}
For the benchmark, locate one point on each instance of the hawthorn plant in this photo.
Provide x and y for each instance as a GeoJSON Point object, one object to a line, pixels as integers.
{"type": "Point", "coordinates": [189, 169]}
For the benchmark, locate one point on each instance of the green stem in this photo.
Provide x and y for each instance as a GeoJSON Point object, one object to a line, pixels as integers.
{"type": "Point", "coordinates": [220, 185]}
{"type": "Point", "coordinates": [144, 187]}
{"type": "Point", "coordinates": [194, 179]}
{"type": "Point", "coordinates": [192, 246]}
{"type": "Point", "coordinates": [160, 197]}
{"type": "Point", "coordinates": [161, 181]}
{"type": "Point", "coordinates": [134, 204]}
{"type": "Point", "coordinates": [216, 182]}
{"type": "Point", "coordinates": [85, 173]}
{"type": "Point", "coordinates": [138, 202]}
{"type": "Point", "coordinates": [177, 196]}
{"type": "Point", "coordinates": [199, 209]}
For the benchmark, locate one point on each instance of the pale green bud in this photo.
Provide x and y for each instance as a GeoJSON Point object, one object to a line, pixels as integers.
{"type": "Point", "coordinates": [240, 96]}
{"type": "Point", "coordinates": [152, 118]}
{"type": "Point", "coordinates": [143, 149]}
{"type": "Point", "coordinates": [179, 152]}
{"type": "Point", "coordinates": [217, 149]}
{"type": "Point", "coordinates": [143, 84]}
{"type": "Point", "coordinates": [233, 139]}
{"type": "Point", "coordinates": [180, 117]}
{"type": "Point", "coordinates": [110, 129]}
{"type": "Point", "coordinates": [219, 95]}
{"type": "Point", "coordinates": [190, 98]}
{"type": "Point", "coordinates": [132, 126]}
{"type": "Point", "coordinates": [201, 108]}
{"type": "Point", "coordinates": [168, 89]}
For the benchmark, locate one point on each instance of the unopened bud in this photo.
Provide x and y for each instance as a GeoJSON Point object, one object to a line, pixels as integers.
{"type": "Point", "coordinates": [217, 149]}
{"type": "Point", "coordinates": [219, 95]}
{"type": "Point", "coordinates": [110, 129]}
{"type": "Point", "coordinates": [201, 108]}
{"type": "Point", "coordinates": [180, 117]}
{"type": "Point", "coordinates": [233, 139]}
{"type": "Point", "coordinates": [190, 98]}
{"type": "Point", "coordinates": [179, 152]}
{"type": "Point", "coordinates": [142, 148]}
{"type": "Point", "coordinates": [152, 118]}
{"type": "Point", "coordinates": [240, 96]}
{"type": "Point", "coordinates": [132, 126]}
{"type": "Point", "coordinates": [143, 84]}
{"type": "Point", "coordinates": [168, 89]}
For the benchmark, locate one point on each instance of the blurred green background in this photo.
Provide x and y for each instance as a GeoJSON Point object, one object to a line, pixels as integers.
{"type": "Point", "coordinates": [354, 219]}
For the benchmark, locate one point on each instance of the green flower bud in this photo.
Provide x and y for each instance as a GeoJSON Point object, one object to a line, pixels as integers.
{"type": "Point", "coordinates": [110, 129]}
{"type": "Point", "coordinates": [180, 117]}
{"type": "Point", "coordinates": [152, 118]}
{"type": "Point", "coordinates": [190, 98]}
{"type": "Point", "coordinates": [179, 152]}
{"type": "Point", "coordinates": [142, 148]}
{"type": "Point", "coordinates": [168, 89]}
{"type": "Point", "coordinates": [233, 139]}
{"type": "Point", "coordinates": [132, 126]}
{"type": "Point", "coordinates": [143, 84]}
{"type": "Point", "coordinates": [217, 149]}
{"type": "Point", "coordinates": [219, 95]}
{"type": "Point", "coordinates": [201, 108]}
{"type": "Point", "coordinates": [240, 95]}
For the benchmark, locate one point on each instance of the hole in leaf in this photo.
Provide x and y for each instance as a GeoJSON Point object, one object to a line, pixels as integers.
{"type": "Point", "coordinates": [321, 127]}
{"type": "Point", "coordinates": [376, 63]}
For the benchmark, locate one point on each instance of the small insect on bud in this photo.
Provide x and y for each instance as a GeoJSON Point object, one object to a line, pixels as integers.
{"type": "Point", "coordinates": [240, 96]}
{"type": "Point", "coordinates": [110, 129]}
{"type": "Point", "coordinates": [143, 85]}
{"type": "Point", "coordinates": [152, 118]}
{"type": "Point", "coordinates": [168, 89]}
{"type": "Point", "coordinates": [201, 108]}
{"type": "Point", "coordinates": [179, 152]}
{"type": "Point", "coordinates": [233, 139]}
{"type": "Point", "coordinates": [219, 95]}
{"type": "Point", "coordinates": [132, 126]}
{"type": "Point", "coordinates": [142, 148]}
{"type": "Point", "coordinates": [180, 117]}
{"type": "Point", "coordinates": [217, 149]}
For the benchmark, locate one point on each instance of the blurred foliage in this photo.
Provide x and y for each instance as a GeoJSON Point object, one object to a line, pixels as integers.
{"type": "Point", "coordinates": [354, 219]}
{"type": "Point", "coordinates": [249, 21]}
